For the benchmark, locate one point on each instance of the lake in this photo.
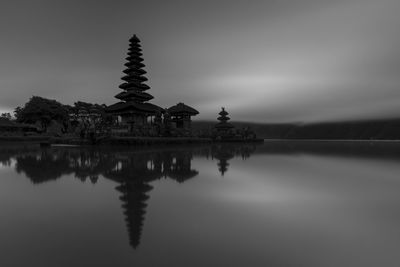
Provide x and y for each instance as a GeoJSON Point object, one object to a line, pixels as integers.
{"type": "Point", "coordinates": [274, 204]}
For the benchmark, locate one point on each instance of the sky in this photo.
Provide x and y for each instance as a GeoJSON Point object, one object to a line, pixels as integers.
{"type": "Point", "coordinates": [267, 61]}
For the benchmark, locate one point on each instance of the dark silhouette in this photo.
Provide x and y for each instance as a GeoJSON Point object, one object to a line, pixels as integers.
{"type": "Point", "coordinates": [134, 115]}
{"type": "Point", "coordinates": [225, 152]}
{"type": "Point", "coordinates": [10, 127]}
{"type": "Point", "coordinates": [181, 118]}
{"type": "Point", "coordinates": [133, 172]}
{"type": "Point", "coordinates": [43, 166]}
{"type": "Point", "coordinates": [226, 132]}
{"type": "Point", "coordinates": [87, 118]}
{"type": "Point", "coordinates": [134, 108]}
{"type": "Point", "coordinates": [134, 197]}
{"type": "Point", "coordinates": [43, 111]}
{"type": "Point", "coordinates": [383, 129]}
{"type": "Point", "coordinates": [223, 127]}
{"type": "Point", "coordinates": [177, 166]}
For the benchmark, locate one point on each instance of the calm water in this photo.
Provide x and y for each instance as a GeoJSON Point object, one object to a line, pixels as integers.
{"type": "Point", "coordinates": [277, 204]}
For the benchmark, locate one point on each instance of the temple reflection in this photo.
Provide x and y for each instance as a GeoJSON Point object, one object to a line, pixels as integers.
{"type": "Point", "coordinates": [224, 152]}
{"type": "Point", "coordinates": [134, 197]}
{"type": "Point", "coordinates": [132, 170]}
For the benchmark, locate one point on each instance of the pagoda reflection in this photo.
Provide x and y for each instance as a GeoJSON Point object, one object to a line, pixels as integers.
{"type": "Point", "coordinates": [224, 152]}
{"type": "Point", "coordinates": [134, 203]}
{"type": "Point", "coordinates": [133, 170]}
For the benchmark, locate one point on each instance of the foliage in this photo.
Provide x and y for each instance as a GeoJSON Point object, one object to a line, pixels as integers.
{"type": "Point", "coordinates": [39, 109]}
{"type": "Point", "coordinates": [85, 112]}
{"type": "Point", "coordinates": [42, 110]}
{"type": "Point", "coordinates": [6, 116]}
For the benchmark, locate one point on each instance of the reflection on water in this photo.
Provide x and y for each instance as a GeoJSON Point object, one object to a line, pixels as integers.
{"type": "Point", "coordinates": [224, 152]}
{"type": "Point", "coordinates": [132, 170]}
{"type": "Point", "coordinates": [281, 177]}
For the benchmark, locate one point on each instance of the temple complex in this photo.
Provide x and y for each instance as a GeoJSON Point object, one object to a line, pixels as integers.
{"type": "Point", "coordinates": [133, 114]}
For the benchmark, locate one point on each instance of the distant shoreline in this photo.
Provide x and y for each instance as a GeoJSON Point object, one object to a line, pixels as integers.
{"type": "Point", "coordinates": [384, 129]}
{"type": "Point", "coordinates": [131, 141]}
{"type": "Point", "coordinates": [332, 140]}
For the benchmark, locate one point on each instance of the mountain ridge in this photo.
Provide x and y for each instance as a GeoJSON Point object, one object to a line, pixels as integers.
{"type": "Point", "coordinates": [376, 129]}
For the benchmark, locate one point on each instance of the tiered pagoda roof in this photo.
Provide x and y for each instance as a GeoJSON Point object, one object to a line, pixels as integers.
{"type": "Point", "coordinates": [127, 107]}
{"type": "Point", "coordinates": [223, 121]}
{"type": "Point", "coordinates": [133, 95]}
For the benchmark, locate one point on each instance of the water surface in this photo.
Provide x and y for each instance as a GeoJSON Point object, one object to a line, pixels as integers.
{"type": "Point", "coordinates": [277, 204]}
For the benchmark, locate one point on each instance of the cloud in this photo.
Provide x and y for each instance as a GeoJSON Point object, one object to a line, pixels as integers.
{"type": "Point", "coordinates": [264, 61]}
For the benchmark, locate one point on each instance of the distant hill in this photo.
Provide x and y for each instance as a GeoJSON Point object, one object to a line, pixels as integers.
{"type": "Point", "coordinates": [384, 129]}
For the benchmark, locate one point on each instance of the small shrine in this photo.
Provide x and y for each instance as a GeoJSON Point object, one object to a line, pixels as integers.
{"type": "Point", "coordinates": [226, 132]}
{"type": "Point", "coordinates": [223, 128]}
{"type": "Point", "coordinates": [180, 117]}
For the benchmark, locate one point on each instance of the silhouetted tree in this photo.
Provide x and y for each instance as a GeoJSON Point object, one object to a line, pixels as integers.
{"type": "Point", "coordinates": [6, 116]}
{"type": "Point", "coordinates": [85, 112]}
{"type": "Point", "coordinates": [39, 109]}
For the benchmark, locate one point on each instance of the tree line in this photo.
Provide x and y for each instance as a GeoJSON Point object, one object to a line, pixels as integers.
{"type": "Point", "coordinates": [43, 111]}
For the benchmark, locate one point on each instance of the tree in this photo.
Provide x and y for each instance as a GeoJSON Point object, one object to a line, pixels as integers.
{"type": "Point", "coordinates": [6, 116]}
{"type": "Point", "coordinates": [39, 109]}
{"type": "Point", "coordinates": [82, 111]}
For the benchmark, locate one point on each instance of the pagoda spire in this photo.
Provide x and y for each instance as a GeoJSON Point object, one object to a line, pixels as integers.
{"type": "Point", "coordinates": [223, 120]}
{"type": "Point", "coordinates": [134, 86]}
{"type": "Point", "coordinates": [223, 127]}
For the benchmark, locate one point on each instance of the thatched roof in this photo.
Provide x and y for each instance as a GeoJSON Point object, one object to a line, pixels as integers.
{"type": "Point", "coordinates": [181, 108]}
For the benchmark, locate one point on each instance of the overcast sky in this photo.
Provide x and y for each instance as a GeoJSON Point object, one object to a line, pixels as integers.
{"type": "Point", "coordinates": [265, 61]}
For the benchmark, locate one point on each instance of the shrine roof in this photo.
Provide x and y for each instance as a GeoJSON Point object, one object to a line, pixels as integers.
{"type": "Point", "coordinates": [183, 109]}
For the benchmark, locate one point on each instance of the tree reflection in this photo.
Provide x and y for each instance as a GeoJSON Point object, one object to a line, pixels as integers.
{"type": "Point", "coordinates": [132, 169]}
{"type": "Point", "coordinates": [43, 166]}
{"type": "Point", "coordinates": [135, 169]}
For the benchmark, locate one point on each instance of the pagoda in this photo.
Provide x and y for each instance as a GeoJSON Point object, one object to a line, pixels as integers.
{"type": "Point", "coordinates": [133, 110]}
{"type": "Point", "coordinates": [223, 127]}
